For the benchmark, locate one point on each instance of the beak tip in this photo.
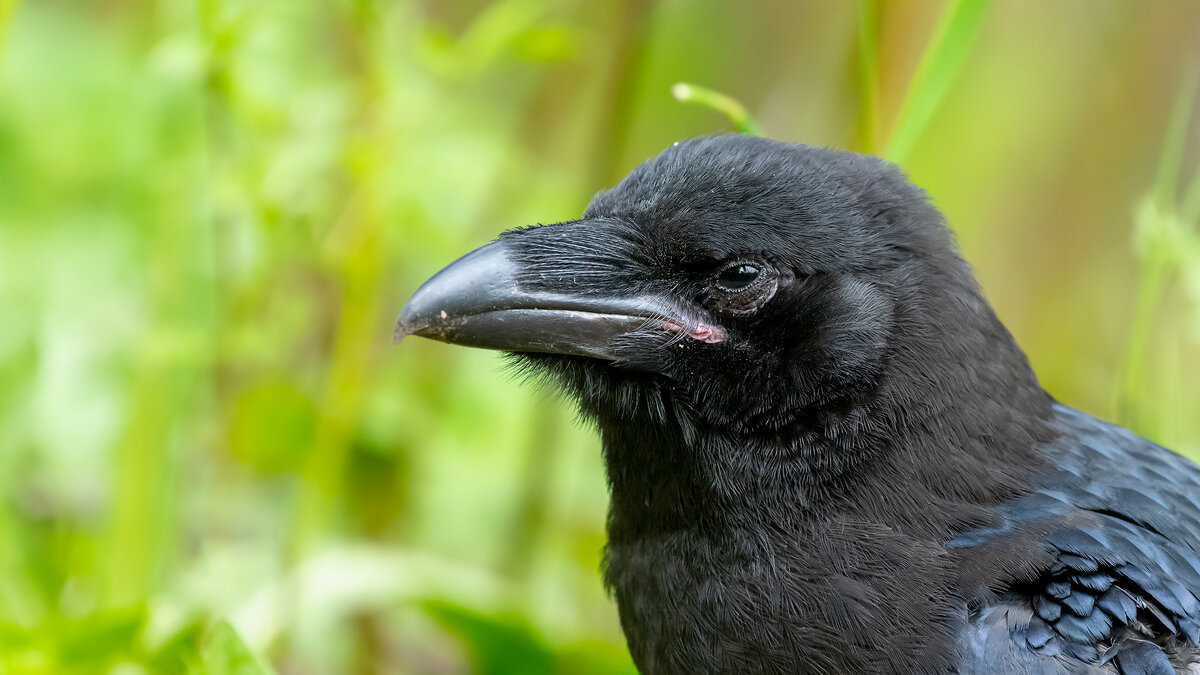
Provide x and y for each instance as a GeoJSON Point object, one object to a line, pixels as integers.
{"type": "Point", "coordinates": [401, 330]}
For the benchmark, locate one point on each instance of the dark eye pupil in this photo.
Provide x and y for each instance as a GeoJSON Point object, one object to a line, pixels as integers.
{"type": "Point", "coordinates": [737, 277]}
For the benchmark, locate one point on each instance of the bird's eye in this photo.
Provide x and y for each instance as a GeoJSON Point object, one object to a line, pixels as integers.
{"type": "Point", "coordinates": [737, 277]}
{"type": "Point", "coordinates": [742, 288]}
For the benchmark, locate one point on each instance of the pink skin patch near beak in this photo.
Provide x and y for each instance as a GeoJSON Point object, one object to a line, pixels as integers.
{"type": "Point", "coordinates": [700, 332]}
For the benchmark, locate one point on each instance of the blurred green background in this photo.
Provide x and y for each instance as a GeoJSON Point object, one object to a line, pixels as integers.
{"type": "Point", "coordinates": [212, 458]}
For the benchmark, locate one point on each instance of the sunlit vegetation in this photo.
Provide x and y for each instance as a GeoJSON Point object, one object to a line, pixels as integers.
{"type": "Point", "coordinates": [212, 458]}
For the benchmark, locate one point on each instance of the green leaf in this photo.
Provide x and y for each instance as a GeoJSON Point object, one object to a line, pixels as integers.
{"type": "Point", "coordinates": [497, 645]}
{"type": "Point", "coordinates": [956, 31]}
{"type": "Point", "coordinates": [595, 658]}
{"type": "Point", "coordinates": [99, 637]}
{"type": "Point", "coordinates": [224, 653]}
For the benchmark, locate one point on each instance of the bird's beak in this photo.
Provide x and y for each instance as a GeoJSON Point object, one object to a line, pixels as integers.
{"type": "Point", "coordinates": [477, 301]}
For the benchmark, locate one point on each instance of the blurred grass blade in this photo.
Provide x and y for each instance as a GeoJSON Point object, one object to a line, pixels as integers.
{"type": "Point", "coordinates": [1148, 225]}
{"type": "Point", "coordinates": [868, 74]}
{"type": "Point", "coordinates": [947, 50]}
{"type": "Point", "coordinates": [1169, 167]}
{"type": "Point", "coordinates": [1189, 210]}
{"type": "Point", "coordinates": [1171, 159]}
{"type": "Point", "coordinates": [1157, 233]}
{"type": "Point", "coordinates": [730, 107]}
{"type": "Point", "coordinates": [8, 9]}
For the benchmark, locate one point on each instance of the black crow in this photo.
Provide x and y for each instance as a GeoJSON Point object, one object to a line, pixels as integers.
{"type": "Point", "coordinates": [826, 454]}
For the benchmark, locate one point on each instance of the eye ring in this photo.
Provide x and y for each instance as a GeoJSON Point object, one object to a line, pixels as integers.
{"type": "Point", "coordinates": [738, 277]}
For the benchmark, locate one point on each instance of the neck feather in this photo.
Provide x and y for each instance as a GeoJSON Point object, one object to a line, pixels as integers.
{"type": "Point", "coordinates": [953, 428]}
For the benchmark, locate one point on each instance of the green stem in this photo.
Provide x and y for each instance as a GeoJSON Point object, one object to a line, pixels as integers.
{"type": "Point", "coordinates": [1150, 288]}
{"type": "Point", "coordinates": [1153, 227]}
{"type": "Point", "coordinates": [361, 260]}
{"type": "Point", "coordinates": [1189, 210]}
{"type": "Point", "coordinates": [619, 90]}
{"type": "Point", "coordinates": [731, 107]}
{"type": "Point", "coordinates": [868, 71]}
{"type": "Point", "coordinates": [1171, 158]}
{"type": "Point", "coordinates": [143, 526]}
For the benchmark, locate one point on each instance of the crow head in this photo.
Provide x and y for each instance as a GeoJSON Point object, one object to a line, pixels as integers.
{"type": "Point", "coordinates": [793, 373]}
{"type": "Point", "coordinates": [741, 283]}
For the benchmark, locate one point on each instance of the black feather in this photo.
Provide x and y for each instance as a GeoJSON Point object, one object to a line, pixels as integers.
{"type": "Point", "coordinates": [863, 475]}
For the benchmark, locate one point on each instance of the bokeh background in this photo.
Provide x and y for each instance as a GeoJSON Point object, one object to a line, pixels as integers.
{"type": "Point", "coordinates": [212, 458]}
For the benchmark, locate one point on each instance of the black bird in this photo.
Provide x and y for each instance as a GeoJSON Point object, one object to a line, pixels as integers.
{"type": "Point", "coordinates": [826, 454]}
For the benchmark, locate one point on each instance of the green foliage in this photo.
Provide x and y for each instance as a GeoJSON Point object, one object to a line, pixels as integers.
{"type": "Point", "coordinates": [730, 107]}
{"type": "Point", "coordinates": [223, 653]}
{"type": "Point", "coordinates": [943, 58]}
{"type": "Point", "coordinates": [1166, 236]}
{"type": "Point", "coordinates": [125, 641]}
{"type": "Point", "coordinates": [212, 458]}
